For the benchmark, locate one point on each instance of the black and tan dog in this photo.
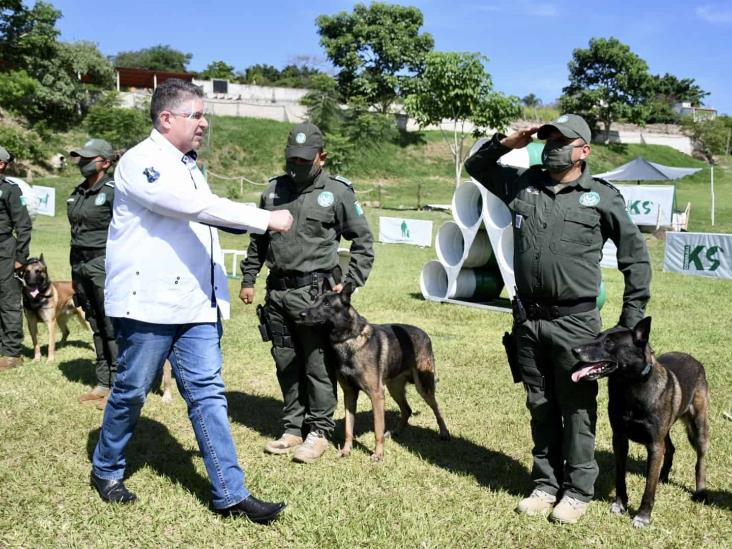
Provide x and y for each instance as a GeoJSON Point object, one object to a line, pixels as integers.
{"type": "Point", "coordinates": [48, 302]}
{"type": "Point", "coordinates": [646, 396]}
{"type": "Point", "coordinates": [375, 357]}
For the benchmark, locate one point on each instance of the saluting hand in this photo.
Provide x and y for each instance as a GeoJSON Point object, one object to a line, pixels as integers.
{"type": "Point", "coordinates": [519, 139]}
{"type": "Point", "coordinates": [280, 221]}
{"type": "Point", "coordinates": [247, 295]}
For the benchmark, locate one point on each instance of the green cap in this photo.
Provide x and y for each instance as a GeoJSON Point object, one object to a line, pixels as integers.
{"type": "Point", "coordinates": [5, 156]}
{"type": "Point", "coordinates": [94, 148]}
{"type": "Point", "coordinates": [569, 125]}
{"type": "Point", "coordinates": [305, 141]}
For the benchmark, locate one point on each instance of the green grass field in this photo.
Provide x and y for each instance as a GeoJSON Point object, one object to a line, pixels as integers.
{"type": "Point", "coordinates": [426, 493]}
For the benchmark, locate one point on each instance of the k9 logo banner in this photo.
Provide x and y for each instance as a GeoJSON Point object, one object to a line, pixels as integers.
{"type": "Point", "coordinates": [700, 254]}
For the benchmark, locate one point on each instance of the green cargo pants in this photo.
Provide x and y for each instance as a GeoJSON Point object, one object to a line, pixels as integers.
{"type": "Point", "coordinates": [88, 278]}
{"type": "Point", "coordinates": [11, 315]}
{"type": "Point", "coordinates": [563, 413]}
{"type": "Point", "coordinates": [304, 369]}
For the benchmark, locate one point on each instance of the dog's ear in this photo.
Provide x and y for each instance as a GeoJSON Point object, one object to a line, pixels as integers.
{"type": "Point", "coordinates": [42, 260]}
{"type": "Point", "coordinates": [347, 291]}
{"type": "Point", "coordinates": [642, 330]}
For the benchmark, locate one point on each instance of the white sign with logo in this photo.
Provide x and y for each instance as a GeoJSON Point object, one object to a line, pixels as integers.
{"type": "Point", "coordinates": [46, 200]}
{"type": "Point", "coordinates": [649, 204]}
{"type": "Point", "coordinates": [398, 230]}
{"type": "Point", "coordinates": [699, 254]}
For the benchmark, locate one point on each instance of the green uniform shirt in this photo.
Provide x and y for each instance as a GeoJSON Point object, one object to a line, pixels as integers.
{"type": "Point", "coordinates": [14, 218]}
{"type": "Point", "coordinates": [323, 212]}
{"type": "Point", "coordinates": [90, 213]}
{"type": "Point", "coordinates": [558, 238]}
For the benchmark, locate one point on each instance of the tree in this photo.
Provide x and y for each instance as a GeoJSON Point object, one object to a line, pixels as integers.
{"type": "Point", "coordinates": [323, 103]}
{"type": "Point", "coordinates": [710, 137]}
{"type": "Point", "coordinates": [218, 69]}
{"type": "Point", "coordinates": [29, 48]}
{"type": "Point", "coordinates": [667, 91]}
{"type": "Point", "coordinates": [531, 101]}
{"type": "Point", "coordinates": [456, 86]}
{"type": "Point", "coordinates": [376, 48]}
{"type": "Point", "coordinates": [607, 82]}
{"type": "Point", "coordinates": [259, 75]}
{"type": "Point", "coordinates": [123, 128]}
{"type": "Point", "coordinates": [297, 76]}
{"type": "Point", "coordinates": [156, 58]}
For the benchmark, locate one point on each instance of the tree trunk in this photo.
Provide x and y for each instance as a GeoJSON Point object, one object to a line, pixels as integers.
{"type": "Point", "coordinates": [607, 131]}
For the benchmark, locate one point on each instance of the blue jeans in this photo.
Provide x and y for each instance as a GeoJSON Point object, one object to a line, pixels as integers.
{"type": "Point", "coordinates": [195, 354]}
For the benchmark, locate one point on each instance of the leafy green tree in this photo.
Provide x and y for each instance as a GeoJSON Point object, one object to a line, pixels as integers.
{"type": "Point", "coordinates": [376, 48]}
{"type": "Point", "coordinates": [531, 101]}
{"type": "Point", "coordinates": [218, 69]}
{"type": "Point", "coordinates": [29, 45]}
{"type": "Point", "coordinates": [667, 91]}
{"type": "Point", "coordinates": [323, 103]}
{"type": "Point", "coordinates": [123, 128]}
{"type": "Point", "coordinates": [296, 76]}
{"type": "Point", "coordinates": [455, 86]}
{"type": "Point", "coordinates": [17, 90]}
{"type": "Point", "coordinates": [156, 58]}
{"type": "Point", "coordinates": [710, 137]}
{"type": "Point", "coordinates": [259, 75]}
{"type": "Point", "coordinates": [607, 82]}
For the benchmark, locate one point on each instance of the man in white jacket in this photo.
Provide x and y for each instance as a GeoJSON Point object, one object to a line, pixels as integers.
{"type": "Point", "coordinates": [166, 292]}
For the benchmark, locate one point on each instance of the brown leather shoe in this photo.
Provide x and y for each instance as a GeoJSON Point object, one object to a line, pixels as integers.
{"type": "Point", "coordinates": [8, 362]}
{"type": "Point", "coordinates": [314, 446]}
{"type": "Point", "coordinates": [283, 445]}
{"type": "Point", "coordinates": [96, 393]}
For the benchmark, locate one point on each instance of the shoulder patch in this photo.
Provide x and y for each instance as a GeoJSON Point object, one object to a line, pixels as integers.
{"type": "Point", "coordinates": [343, 180]}
{"type": "Point", "coordinates": [603, 182]}
{"type": "Point", "coordinates": [151, 173]}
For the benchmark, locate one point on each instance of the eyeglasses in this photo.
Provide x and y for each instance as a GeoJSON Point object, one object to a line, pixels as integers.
{"type": "Point", "coordinates": [190, 115]}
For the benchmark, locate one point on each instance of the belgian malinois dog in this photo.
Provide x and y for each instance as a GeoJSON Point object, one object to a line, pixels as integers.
{"type": "Point", "coordinates": [372, 358]}
{"type": "Point", "coordinates": [646, 396]}
{"type": "Point", "coordinates": [49, 302]}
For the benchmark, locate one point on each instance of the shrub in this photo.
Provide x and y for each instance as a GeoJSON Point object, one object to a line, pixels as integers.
{"type": "Point", "coordinates": [123, 128]}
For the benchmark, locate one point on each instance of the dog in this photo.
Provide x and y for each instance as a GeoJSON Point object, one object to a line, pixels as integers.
{"type": "Point", "coordinates": [646, 396]}
{"type": "Point", "coordinates": [48, 302]}
{"type": "Point", "coordinates": [372, 357]}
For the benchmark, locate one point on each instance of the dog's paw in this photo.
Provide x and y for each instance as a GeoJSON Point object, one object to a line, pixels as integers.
{"type": "Point", "coordinates": [50, 360]}
{"type": "Point", "coordinates": [344, 452]}
{"type": "Point", "coordinates": [167, 397]}
{"type": "Point", "coordinates": [618, 508]}
{"type": "Point", "coordinates": [36, 358]}
{"type": "Point", "coordinates": [377, 457]}
{"type": "Point", "coordinates": [445, 435]}
{"type": "Point", "coordinates": [641, 521]}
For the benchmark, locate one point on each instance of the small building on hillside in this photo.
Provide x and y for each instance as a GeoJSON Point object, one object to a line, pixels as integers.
{"type": "Point", "coordinates": [130, 79]}
{"type": "Point", "coordinates": [698, 114]}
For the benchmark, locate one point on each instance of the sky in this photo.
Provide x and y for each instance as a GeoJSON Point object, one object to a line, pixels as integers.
{"type": "Point", "coordinates": [528, 43]}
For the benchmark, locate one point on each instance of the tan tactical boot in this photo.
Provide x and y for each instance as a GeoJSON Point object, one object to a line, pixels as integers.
{"type": "Point", "coordinates": [96, 393]}
{"type": "Point", "coordinates": [314, 446]}
{"type": "Point", "coordinates": [569, 510]}
{"type": "Point", "coordinates": [538, 503]}
{"type": "Point", "coordinates": [8, 362]}
{"type": "Point", "coordinates": [283, 445]}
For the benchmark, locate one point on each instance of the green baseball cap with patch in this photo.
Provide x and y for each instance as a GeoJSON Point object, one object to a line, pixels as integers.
{"type": "Point", "coordinates": [305, 141]}
{"type": "Point", "coordinates": [571, 126]}
{"type": "Point", "coordinates": [5, 156]}
{"type": "Point", "coordinates": [94, 148]}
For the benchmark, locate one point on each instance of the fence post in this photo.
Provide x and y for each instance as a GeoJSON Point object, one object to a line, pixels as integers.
{"type": "Point", "coordinates": [378, 195]}
{"type": "Point", "coordinates": [419, 196]}
{"type": "Point", "coordinates": [241, 187]}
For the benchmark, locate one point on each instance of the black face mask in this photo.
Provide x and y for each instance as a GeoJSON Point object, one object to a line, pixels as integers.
{"type": "Point", "coordinates": [557, 156]}
{"type": "Point", "coordinates": [302, 174]}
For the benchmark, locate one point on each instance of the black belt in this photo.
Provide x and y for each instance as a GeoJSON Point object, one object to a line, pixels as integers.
{"type": "Point", "coordinates": [549, 310]}
{"type": "Point", "coordinates": [291, 282]}
{"type": "Point", "coordinates": [86, 254]}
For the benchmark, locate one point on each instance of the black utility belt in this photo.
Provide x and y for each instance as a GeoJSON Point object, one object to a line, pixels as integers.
{"type": "Point", "coordinates": [547, 310]}
{"type": "Point", "coordinates": [291, 282]}
{"type": "Point", "coordinates": [86, 254]}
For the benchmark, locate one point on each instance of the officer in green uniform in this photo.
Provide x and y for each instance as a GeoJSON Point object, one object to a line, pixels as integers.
{"type": "Point", "coordinates": [302, 264]}
{"type": "Point", "coordinates": [15, 236]}
{"type": "Point", "coordinates": [90, 213]}
{"type": "Point", "coordinates": [561, 219]}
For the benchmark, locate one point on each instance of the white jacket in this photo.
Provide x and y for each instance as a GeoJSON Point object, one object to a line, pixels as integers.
{"type": "Point", "coordinates": [164, 266]}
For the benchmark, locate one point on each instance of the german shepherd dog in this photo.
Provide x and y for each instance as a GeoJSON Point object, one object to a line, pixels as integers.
{"type": "Point", "coordinates": [372, 357]}
{"type": "Point", "coordinates": [49, 302]}
{"type": "Point", "coordinates": [646, 396]}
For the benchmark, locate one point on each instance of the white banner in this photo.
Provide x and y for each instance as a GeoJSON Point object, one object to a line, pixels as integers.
{"type": "Point", "coordinates": [699, 254]}
{"type": "Point", "coordinates": [649, 204]}
{"type": "Point", "coordinates": [46, 200]}
{"type": "Point", "coordinates": [609, 255]}
{"type": "Point", "coordinates": [397, 230]}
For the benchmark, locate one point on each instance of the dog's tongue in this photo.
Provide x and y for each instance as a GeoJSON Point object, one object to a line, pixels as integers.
{"type": "Point", "coordinates": [584, 372]}
{"type": "Point", "coordinates": [34, 292]}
